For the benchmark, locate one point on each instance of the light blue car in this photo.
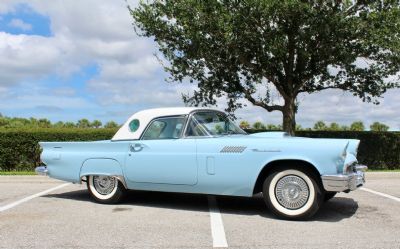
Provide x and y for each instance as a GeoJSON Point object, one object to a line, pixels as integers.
{"type": "Point", "coordinates": [193, 150]}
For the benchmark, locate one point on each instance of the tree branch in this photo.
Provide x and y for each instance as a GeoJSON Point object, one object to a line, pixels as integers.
{"type": "Point", "coordinates": [320, 89]}
{"type": "Point", "coordinates": [269, 108]}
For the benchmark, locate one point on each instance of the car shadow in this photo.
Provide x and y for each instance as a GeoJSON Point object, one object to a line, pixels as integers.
{"type": "Point", "coordinates": [334, 210]}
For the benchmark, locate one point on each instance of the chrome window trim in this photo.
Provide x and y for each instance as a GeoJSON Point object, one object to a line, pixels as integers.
{"type": "Point", "coordinates": [164, 117]}
{"type": "Point", "coordinates": [184, 134]}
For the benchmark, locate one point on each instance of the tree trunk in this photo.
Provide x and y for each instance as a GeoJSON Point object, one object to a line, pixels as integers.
{"type": "Point", "coordinates": [289, 119]}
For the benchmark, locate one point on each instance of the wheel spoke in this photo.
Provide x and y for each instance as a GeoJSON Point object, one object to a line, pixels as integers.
{"type": "Point", "coordinates": [104, 185]}
{"type": "Point", "coordinates": [292, 192]}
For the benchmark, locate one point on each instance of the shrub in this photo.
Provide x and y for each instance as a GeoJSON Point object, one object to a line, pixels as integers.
{"type": "Point", "coordinates": [19, 148]}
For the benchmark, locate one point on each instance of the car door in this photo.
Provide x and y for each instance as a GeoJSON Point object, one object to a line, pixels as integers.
{"type": "Point", "coordinates": [225, 162]}
{"type": "Point", "coordinates": [161, 156]}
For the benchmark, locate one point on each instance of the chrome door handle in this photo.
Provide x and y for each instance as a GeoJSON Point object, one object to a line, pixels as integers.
{"type": "Point", "coordinates": [136, 147]}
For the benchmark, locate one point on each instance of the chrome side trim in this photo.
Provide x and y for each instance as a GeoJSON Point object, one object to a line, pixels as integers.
{"type": "Point", "coordinates": [265, 150]}
{"type": "Point", "coordinates": [42, 170]}
{"type": "Point", "coordinates": [233, 149]}
{"type": "Point", "coordinates": [345, 182]}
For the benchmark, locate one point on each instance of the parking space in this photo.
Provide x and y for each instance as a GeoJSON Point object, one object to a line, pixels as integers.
{"type": "Point", "coordinates": [17, 187]}
{"type": "Point", "coordinates": [67, 218]}
{"type": "Point", "coordinates": [385, 182]}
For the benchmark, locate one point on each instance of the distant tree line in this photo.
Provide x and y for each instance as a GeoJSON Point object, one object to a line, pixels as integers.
{"type": "Point", "coordinates": [9, 122]}
{"type": "Point", "coordinates": [318, 126]}
{"type": "Point", "coordinates": [14, 122]}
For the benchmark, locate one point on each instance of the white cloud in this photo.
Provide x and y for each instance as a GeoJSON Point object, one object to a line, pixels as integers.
{"type": "Point", "coordinates": [26, 57]}
{"type": "Point", "coordinates": [84, 33]}
{"type": "Point", "coordinates": [20, 24]}
{"type": "Point", "coordinates": [64, 91]}
{"type": "Point", "coordinates": [23, 101]}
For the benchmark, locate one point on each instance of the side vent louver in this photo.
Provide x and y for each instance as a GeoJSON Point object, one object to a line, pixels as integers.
{"type": "Point", "coordinates": [233, 149]}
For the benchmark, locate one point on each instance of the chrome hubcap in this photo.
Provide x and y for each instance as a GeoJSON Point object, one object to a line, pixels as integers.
{"type": "Point", "coordinates": [292, 192]}
{"type": "Point", "coordinates": [104, 184]}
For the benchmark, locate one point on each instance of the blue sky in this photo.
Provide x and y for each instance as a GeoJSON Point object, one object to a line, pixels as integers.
{"type": "Point", "coordinates": [67, 60]}
{"type": "Point", "coordinates": [25, 20]}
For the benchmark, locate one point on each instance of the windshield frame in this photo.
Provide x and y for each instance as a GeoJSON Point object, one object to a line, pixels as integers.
{"type": "Point", "coordinates": [190, 117]}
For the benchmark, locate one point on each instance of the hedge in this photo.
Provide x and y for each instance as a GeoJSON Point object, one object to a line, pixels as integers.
{"type": "Point", "coordinates": [19, 149]}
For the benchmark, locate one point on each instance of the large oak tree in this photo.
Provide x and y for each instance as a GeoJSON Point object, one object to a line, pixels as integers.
{"type": "Point", "coordinates": [231, 48]}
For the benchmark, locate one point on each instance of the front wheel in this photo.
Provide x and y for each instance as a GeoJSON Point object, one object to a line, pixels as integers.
{"type": "Point", "coordinates": [105, 189]}
{"type": "Point", "coordinates": [292, 194]}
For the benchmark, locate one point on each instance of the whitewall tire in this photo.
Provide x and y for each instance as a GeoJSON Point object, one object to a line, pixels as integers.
{"type": "Point", "coordinates": [292, 194]}
{"type": "Point", "coordinates": [105, 189]}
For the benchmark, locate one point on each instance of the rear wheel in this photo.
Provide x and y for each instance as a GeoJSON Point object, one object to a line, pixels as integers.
{"type": "Point", "coordinates": [292, 194]}
{"type": "Point", "coordinates": [105, 189]}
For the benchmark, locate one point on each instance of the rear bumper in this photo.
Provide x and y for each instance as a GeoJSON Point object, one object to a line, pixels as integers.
{"type": "Point", "coordinates": [41, 170]}
{"type": "Point", "coordinates": [345, 182]}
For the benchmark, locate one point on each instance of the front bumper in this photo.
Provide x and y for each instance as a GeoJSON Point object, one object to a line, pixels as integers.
{"type": "Point", "coordinates": [41, 170]}
{"type": "Point", "coordinates": [345, 182]}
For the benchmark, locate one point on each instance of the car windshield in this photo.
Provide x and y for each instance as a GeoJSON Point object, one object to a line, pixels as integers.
{"type": "Point", "coordinates": [212, 124]}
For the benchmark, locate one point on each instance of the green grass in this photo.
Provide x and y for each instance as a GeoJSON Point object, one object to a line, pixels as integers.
{"type": "Point", "coordinates": [17, 173]}
{"type": "Point", "coordinates": [383, 170]}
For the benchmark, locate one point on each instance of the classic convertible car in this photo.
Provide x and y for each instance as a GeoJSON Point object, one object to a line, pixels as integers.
{"type": "Point", "coordinates": [194, 150]}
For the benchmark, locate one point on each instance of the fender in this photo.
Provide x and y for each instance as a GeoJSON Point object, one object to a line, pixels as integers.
{"type": "Point", "coordinates": [102, 166]}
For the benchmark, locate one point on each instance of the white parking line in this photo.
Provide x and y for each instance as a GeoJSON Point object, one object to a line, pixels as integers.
{"type": "Point", "coordinates": [217, 226]}
{"type": "Point", "coordinates": [381, 194]}
{"type": "Point", "coordinates": [11, 205]}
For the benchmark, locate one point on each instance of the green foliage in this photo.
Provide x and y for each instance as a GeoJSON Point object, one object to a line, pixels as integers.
{"type": "Point", "coordinates": [17, 173]}
{"type": "Point", "coordinates": [299, 127]}
{"type": "Point", "coordinates": [357, 126]}
{"type": "Point", "coordinates": [376, 126]}
{"type": "Point", "coordinates": [83, 123]}
{"type": "Point", "coordinates": [233, 48]}
{"type": "Point", "coordinates": [334, 127]}
{"type": "Point", "coordinates": [111, 125]}
{"type": "Point", "coordinates": [59, 124]}
{"type": "Point", "coordinates": [69, 125]}
{"type": "Point", "coordinates": [96, 124]}
{"type": "Point", "coordinates": [273, 127]}
{"type": "Point", "coordinates": [320, 126]}
{"type": "Point", "coordinates": [244, 124]}
{"type": "Point", "coordinates": [44, 123]}
{"type": "Point", "coordinates": [24, 123]}
{"type": "Point", "coordinates": [19, 149]}
{"type": "Point", "coordinates": [259, 126]}
{"type": "Point", "coordinates": [377, 150]}
{"type": "Point", "coordinates": [344, 128]}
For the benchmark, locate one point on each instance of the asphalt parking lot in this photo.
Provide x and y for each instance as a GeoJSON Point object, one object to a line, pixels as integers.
{"type": "Point", "coordinates": [38, 212]}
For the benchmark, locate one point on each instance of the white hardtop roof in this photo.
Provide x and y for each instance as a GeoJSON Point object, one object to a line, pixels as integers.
{"type": "Point", "coordinates": [145, 116]}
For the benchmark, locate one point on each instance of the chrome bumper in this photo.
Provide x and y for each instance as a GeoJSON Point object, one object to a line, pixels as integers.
{"type": "Point", "coordinates": [41, 170]}
{"type": "Point", "coordinates": [345, 182]}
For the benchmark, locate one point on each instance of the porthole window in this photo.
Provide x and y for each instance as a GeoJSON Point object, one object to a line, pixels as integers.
{"type": "Point", "coordinates": [134, 125]}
